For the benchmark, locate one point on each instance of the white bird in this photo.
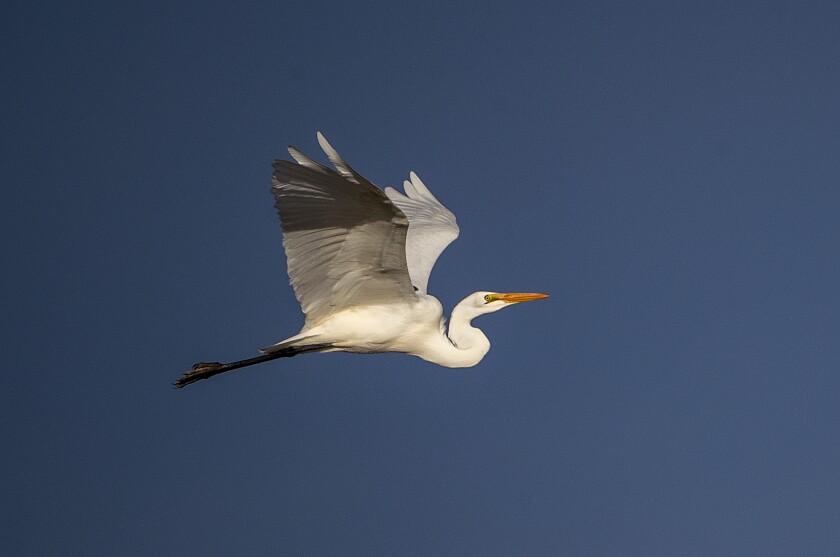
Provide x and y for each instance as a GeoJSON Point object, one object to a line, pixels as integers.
{"type": "Point", "coordinates": [359, 261]}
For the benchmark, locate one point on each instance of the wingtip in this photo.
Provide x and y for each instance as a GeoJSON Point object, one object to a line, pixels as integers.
{"type": "Point", "coordinates": [326, 147]}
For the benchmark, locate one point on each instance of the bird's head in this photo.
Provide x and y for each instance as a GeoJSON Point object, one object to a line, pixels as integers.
{"type": "Point", "coordinates": [489, 302]}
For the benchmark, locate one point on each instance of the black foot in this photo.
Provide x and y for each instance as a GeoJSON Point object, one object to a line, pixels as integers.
{"type": "Point", "coordinates": [201, 370]}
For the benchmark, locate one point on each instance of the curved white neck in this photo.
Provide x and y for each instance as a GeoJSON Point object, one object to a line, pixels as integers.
{"type": "Point", "coordinates": [462, 345]}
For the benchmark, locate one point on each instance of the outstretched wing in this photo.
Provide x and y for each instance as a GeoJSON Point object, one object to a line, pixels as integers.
{"type": "Point", "coordinates": [344, 239]}
{"type": "Point", "coordinates": [431, 228]}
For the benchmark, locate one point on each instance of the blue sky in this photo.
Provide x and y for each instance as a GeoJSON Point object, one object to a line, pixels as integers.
{"type": "Point", "coordinates": [667, 172]}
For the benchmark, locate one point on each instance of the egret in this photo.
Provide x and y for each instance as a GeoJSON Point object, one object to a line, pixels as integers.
{"type": "Point", "coordinates": [359, 261]}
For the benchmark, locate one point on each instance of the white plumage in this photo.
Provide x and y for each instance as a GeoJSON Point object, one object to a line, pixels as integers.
{"type": "Point", "coordinates": [432, 227]}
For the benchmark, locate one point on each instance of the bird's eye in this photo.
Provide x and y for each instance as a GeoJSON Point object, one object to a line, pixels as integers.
{"type": "Point", "coordinates": [488, 298]}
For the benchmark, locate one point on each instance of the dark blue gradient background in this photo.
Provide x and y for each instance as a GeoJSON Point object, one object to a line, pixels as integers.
{"type": "Point", "coordinates": [668, 172]}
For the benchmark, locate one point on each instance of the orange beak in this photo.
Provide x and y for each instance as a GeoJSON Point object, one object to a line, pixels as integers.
{"type": "Point", "coordinates": [516, 297]}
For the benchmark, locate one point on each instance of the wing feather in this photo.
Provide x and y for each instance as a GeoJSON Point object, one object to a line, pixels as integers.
{"type": "Point", "coordinates": [432, 227]}
{"type": "Point", "coordinates": [344, 238]}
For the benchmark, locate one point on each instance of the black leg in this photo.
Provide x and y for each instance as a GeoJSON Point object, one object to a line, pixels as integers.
{"type": "Point", "coordinates": [205, 370]}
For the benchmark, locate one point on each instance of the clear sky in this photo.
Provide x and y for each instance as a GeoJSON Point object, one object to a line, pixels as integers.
{"type": "Point", "coordinates": [668, 171]}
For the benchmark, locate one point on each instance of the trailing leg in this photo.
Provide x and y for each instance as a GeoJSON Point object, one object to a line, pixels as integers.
{"type": "Point", "coordinates": [205, 370]}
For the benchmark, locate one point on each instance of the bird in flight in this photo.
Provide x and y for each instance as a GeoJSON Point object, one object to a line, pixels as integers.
{"type": "Point", "coordinates": [359, 261]}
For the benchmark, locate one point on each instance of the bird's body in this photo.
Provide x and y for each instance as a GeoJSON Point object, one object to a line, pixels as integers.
{"type": "Point", "coordinates": [418, 329]}
{"type": "Point", "coordinates": [359, 260]}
